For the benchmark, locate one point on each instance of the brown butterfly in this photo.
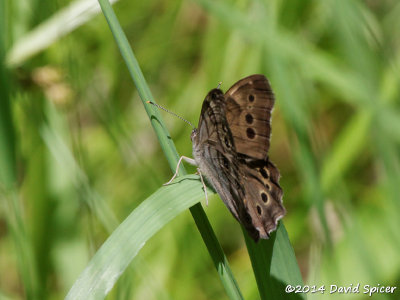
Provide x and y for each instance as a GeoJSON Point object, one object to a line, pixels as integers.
{"type": "Point", "coordinates": [230, 148]}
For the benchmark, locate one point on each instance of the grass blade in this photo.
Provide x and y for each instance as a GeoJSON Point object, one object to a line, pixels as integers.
{"type": "Point", "coordinates": [50, 31]}
{"type": "Point", "coordinates": [10, 206]}
{"type": "Point", "coordinates": [114, 256]}
{"type": "Point", "coordinates": [347, 149]}
{"type": "Point", "coordinates": [274, 265]}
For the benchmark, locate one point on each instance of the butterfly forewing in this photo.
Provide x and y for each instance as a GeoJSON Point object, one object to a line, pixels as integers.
{"type": "Point", "coordinates": [249, 104]}
{"type": "Point", "coordinates": [215, 154]}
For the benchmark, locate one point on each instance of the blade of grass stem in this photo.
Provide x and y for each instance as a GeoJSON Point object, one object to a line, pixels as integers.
{"type": "Point", "coordinates": [13, 211]}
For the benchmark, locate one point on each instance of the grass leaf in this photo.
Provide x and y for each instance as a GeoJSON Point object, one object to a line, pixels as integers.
{"type": "Point", "coordinates": [114, 256]}
{"type": "Point", "coordinates": [274, 265]}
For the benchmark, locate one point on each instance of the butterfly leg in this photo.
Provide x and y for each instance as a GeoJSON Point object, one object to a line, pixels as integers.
{"type": "Point", "coordinates": [185, 158]}
{"type": "Point", "coordinates": [204, 185]}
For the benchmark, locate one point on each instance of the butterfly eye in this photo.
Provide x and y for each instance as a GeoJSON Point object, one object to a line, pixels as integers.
{"type": "Point", "coordinates": [213, 96]}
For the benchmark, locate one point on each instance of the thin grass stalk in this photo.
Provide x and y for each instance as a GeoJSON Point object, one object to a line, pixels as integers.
{"type": "Point", "coordinates": [8, 182]}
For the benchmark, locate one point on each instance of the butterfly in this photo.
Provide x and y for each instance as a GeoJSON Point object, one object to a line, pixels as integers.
{"type": "Point", "coordinates": [230, 149]}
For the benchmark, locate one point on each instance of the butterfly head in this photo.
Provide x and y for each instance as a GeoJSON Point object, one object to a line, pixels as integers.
{"type": "Point", "coordinates": [193, 134]}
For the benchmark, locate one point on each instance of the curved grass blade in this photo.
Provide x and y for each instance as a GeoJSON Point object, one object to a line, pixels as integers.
{"type": "Point", "coordinates": [114, 256]}
{"type": "Point", "coordinates": [274, 265]}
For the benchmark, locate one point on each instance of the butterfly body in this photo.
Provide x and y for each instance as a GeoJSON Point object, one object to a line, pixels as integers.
{"type": "Point", "coordinates": [230, 147]}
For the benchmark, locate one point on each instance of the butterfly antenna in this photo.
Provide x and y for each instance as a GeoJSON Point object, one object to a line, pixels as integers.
{"type": "Point", "coordinates": [219, 85]}
{"type": "Point", "coordinates": [168, 111]}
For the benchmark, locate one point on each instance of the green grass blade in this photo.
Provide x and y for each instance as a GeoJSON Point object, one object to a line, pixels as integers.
{"type": "Point", "coordinates": [49, 32]}
{"type": "Point", "coordinates": [274, 265]}
{"type": "Point", "coordinates": [73, 172]}
{"type": "Point", "coordinates": [96, 281]}
{"type": "Point", "coordinates": [317, 65]}
{"type": "Point", "coordinates": [7, 135]}
{"type": "Point", "coordinates": [170, 152]}
{"type": "Point", "coordinates": [10, 206]}
{"type": "Point", "coordinates": [347, 149]}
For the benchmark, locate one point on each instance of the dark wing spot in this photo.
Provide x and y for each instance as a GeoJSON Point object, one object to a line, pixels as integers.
{"type": "Point", "coordinates": [249, 119]}
{"type": "Point", "coordinates": [259, 209]}
{"type": "Point", "coordinates": [251, 98]}
{"type": "Point", "coordinates": [264, 197]}
{"type": "Point", "coordinates": [263, 173]}
{"type": "Point", "coordinates": [250, 133]}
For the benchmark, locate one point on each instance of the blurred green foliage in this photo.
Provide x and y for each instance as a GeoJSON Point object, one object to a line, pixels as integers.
{"type": "Point", "coordinates": [77, 152]}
